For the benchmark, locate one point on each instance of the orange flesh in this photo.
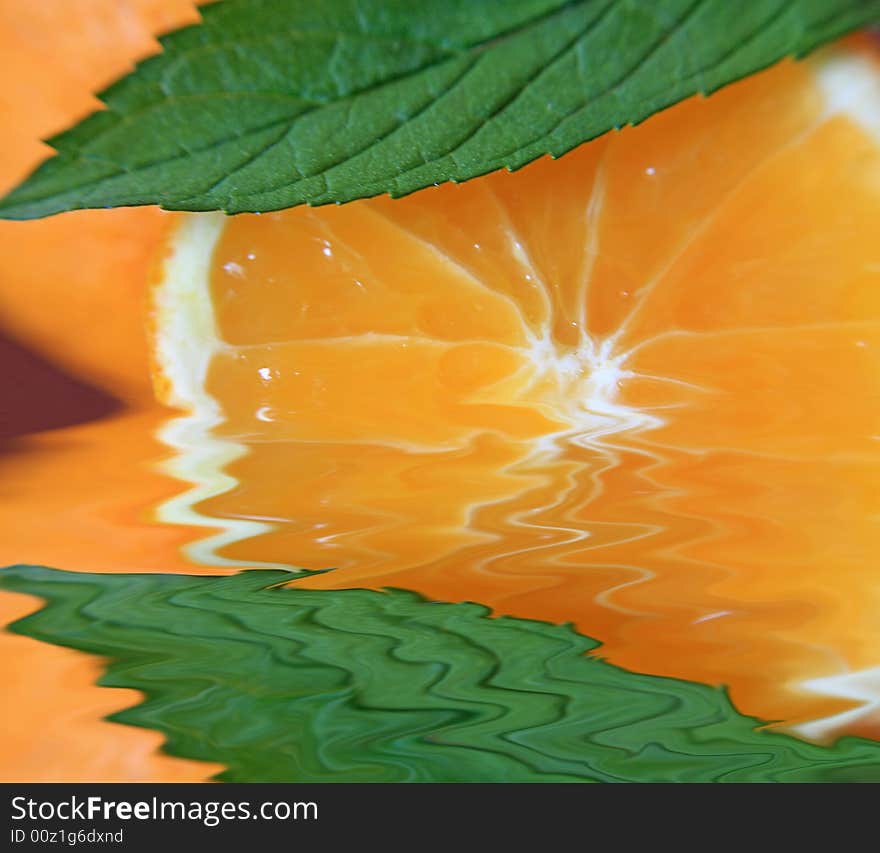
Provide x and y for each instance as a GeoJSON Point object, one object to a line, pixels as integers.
{"type": "Point", "coordinates": [635, 388]}
{"type": "Point", "coordinates": [732, 543]}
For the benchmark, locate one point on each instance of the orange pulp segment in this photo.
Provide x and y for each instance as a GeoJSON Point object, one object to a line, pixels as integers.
{"type": "Point", "coordinates": [635, 388]}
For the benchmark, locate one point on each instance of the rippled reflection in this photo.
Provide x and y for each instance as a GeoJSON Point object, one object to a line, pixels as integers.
{"type": "Point", "coordinates": [634, 390]}
{"type": "Point", "coordinates": [624, 389]}
{"type": "Point", "coordinates": [297, 685]}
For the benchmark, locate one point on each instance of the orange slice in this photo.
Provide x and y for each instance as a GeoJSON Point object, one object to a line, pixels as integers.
{"type": "Point", "coordinates": [635, 388]}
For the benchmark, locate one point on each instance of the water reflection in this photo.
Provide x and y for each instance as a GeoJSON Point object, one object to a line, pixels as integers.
{"type": "Point", "coordinates": [297, 685]}
{"type": "Point", "coordinates": [684, 566]}
{"type": "Point", "coordinates": [673, 447]}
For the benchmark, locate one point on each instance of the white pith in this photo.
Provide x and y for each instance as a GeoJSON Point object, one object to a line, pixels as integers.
{"type": "Point", "coordinates": [581, 387]}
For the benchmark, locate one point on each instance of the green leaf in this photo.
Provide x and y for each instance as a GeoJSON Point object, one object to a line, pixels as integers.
{"type": "Point", "coordinates": [274, 103]}
{"type": "Point", "coordinates": [290, 684]}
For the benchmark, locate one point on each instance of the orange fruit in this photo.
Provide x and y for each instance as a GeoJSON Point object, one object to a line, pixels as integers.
{"type": "Point", "coordinates": [72, 293]}
{"type": "Point", "coordinates": [73, 285]}
{"type": "Point", "coordinates": [635, 388]}
{"type": "Point", "coordinates": [418, 408]}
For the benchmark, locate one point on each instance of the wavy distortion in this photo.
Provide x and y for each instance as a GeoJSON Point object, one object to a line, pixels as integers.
{"type": "Point", "coordinates": [281, 683]}
{"type": "Point", "coordinates": [634, 388]}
